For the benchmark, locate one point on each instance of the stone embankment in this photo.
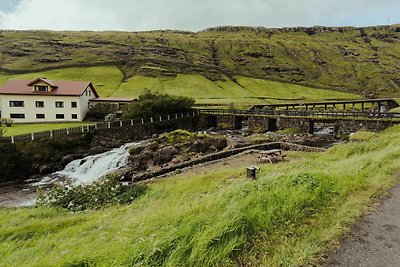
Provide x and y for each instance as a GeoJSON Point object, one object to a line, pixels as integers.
{"type": "Point", "coordinates": [216, 156]}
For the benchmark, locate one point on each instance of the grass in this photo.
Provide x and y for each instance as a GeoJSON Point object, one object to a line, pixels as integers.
{"type": "Point", "coordinates": [291, 215]}
{"type": "Point", "coordinates": [17, 129]}
{"type": "Point", "coordinates": [108, 82]}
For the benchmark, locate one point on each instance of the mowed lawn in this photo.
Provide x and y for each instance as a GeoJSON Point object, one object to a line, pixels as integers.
{"type": "Point", "coordinates": [108, 81]}
{"type": "Point", "coordinates": [17, 129]}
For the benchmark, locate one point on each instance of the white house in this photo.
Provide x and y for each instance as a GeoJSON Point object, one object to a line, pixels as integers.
{"type": "Point", "coordinates": [44, 100]}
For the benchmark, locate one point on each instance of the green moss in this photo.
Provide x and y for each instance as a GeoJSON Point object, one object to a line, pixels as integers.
{"type": "Point", "coordinates": [362, 136]}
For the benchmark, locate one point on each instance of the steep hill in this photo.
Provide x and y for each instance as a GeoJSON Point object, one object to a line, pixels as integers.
{"type": "Point", "coordinates": [358, 60]}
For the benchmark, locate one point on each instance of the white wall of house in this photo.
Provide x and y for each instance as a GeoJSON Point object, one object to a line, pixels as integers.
{"type": "Point", "coordinates": [31, 112]}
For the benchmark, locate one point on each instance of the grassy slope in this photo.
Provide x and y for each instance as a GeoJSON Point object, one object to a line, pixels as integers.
{"type": "Point", "coordinates": [17, 129]}
{"type": "Point", "coordinates": [108, 82]}
{"type": "Point", "coordinates": [357, 59]}
{"type": "Point", "coordinates": [288, 217]}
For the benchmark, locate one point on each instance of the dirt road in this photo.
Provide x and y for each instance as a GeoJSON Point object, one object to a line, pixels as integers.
{"type": "Point", "coordinates": [375, 240]}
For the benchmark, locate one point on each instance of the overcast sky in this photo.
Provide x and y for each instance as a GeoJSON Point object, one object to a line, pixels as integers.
{"type": "Point", "coordinates": [193, 15]}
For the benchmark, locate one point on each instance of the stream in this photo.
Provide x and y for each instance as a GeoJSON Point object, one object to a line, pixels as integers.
{"type": "Point", "coordinates": [80, 171]}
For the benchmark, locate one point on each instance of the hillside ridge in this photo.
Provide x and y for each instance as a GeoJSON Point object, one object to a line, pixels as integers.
{"type": "Point", "coordinates": [352, 59]}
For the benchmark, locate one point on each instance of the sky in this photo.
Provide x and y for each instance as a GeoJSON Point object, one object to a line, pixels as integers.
{"type": "Point", "coordinates": [192, 15]}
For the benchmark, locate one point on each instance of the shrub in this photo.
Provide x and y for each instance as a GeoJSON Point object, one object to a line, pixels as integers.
{"type": "Point", "coordinates": [362, 136]}
{"type": "Point", "coordinates": [7, 122]}
{"type": "Point", "coordinates": [99, 111]}
{"type": "Point", "coordinates": [152, 104]}
{"type": "Point", "coordinates": [92, 196]}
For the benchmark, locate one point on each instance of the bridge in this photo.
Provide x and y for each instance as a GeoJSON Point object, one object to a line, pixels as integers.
{"type": "Point", "coordinates": [306, 119]}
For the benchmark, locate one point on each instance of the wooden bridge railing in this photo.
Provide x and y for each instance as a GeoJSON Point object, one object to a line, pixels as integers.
{"type": "Point", "coordinates": [303, 113]}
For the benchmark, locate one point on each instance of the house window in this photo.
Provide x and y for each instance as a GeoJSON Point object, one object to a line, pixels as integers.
{"type": "Point", "coordinates": [74, 105]}
{"type": "Point", "coordinates": [40, 104]}
{"type": "Point", "coordinates": [16, 103]}
{"type": "Point", "coordinates": [41, 88]}
{"type": "Point", "coordinates": [59, 104]}
{"type": "Point", "coordinates": [40, 116]}
{"type": "Point", "coordinates": [90, 93]}
{"type": "Point", "coordinates": [60, 116]}
{"type": "Point", "coordinates": [17, 116]}
{"type": "Point", "coordinates": [74, 116]}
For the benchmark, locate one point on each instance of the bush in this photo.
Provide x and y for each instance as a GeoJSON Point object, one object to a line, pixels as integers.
{"type": "Point", "coordinates": [99, 111]}
{"type": "Point", "coordinates": [92, 196]}
{"type": "Point", "coordinates": [362, 136]}
{"type": "Point", "coordinates": [152, 104]}
{"type": "Point", "coordinates": [7, 122]}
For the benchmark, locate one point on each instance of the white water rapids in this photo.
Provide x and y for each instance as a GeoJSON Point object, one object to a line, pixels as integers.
{"type": "Point", "coordinates": [92, 168]}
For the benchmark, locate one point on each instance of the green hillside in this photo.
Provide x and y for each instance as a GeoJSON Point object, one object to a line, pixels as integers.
{"type": "Point", "coordinates": [289, 216]}
{"type": "Point", "coordinates": [108, 80]}
{"type": "Point", "coordinates": [358, 60]}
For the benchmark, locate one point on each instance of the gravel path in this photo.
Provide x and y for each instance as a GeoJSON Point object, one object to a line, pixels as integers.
{"type": "Point", "coordinates": [375, 240]}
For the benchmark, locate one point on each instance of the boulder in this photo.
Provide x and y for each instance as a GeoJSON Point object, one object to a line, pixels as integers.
{"type": "Point", "coordinates": [69, 158]}
{"type": "Point", "coordinates": [165, 154]}
{"type": "Point", "coordinates": [50, 168]}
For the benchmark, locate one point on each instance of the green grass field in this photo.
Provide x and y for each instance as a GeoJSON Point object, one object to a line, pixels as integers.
{"type": "Point", "coordinates": [17, 129]}
{"type": "Point", "coordinates": [108, 82]}
{"type": "Point", "coordinates": [290, 216]}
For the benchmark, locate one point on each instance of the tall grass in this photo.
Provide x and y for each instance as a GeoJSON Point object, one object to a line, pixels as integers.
{"type": "Point", "coordinates": [289, 216]}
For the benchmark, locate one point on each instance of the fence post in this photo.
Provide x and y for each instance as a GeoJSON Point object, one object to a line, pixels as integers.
{"type": "Point", "coordinates": [194, 114]}
{"type": "Point", "coordinates": [169, 117]}
{"type": "Point", "coordinates": [51, 134]}
{"type": "Point", "coordinates": [176, 116]}
{"type": "Point", "coordinates": [187, 114]}
{"type": "Point", "coordinates": [12, 140]}
{"type": "Point", "coordinates": [83, 130]}
{"type": "Point", "coordinates": [109, 124]}
{"type": "Point", "coordinates": [67, 131]}
{"type": "Point", "coordinates": [151, 119]}
{"type": "Point", "coordinates": [142, 121]}
{"type": "Point", "coordinates": [32, 136]}
{"type": "Point", "coordinates": [160, 118]}
{"type": "Point", "coordinates": [131, 122]}
{"type": "Point", "coordinates": [120, 123]}
{"type": "Point", "coordinates": [87, 128]}
{"type": "Point", "coordinates": [181, 115]}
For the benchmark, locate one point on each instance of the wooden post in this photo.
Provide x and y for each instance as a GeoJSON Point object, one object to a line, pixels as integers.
{"type": "Point", "coordinates": [109, 124]}
{"type": "Point", "coordinates": [142, 121]}
{"type": "Point", "coordinates": [51, 134]}
{"type": "Point", "coordinates": [151, 119]}
{"type": "Point", "coordinates": [160, 118]}
{"type": "Point", "coordinates": [67, 131]}
{"type": "Point", "coordinates": [169, 117]}
{"type": "Point", "coordinates": [87, 128]}
{"type": "Point", "coordinates": [120, 123]}
{"type": "Point", "coordinates": [181, 115]}
{"type": "Point", "coordinates": [95, 126]}
{"type": "Point", "coordinates": [131, 122]}
{"type": "Point", "coordinates": [12, 140]}
{"type": "Point", "coordinates": [32, 136]}
{"type": "Point", "coordinates": [176, 116]}
{"type": "Point", "coordinates": [83, 130]}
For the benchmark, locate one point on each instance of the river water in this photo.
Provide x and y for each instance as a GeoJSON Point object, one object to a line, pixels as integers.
{"type": "Point", "coordinates": [81, 171]}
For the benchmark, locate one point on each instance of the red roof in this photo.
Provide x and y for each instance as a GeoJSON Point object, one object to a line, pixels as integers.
{"type": "Point", "coordinates": [60, 88]}
{"type": "Point", "coordinates": [112, 99]}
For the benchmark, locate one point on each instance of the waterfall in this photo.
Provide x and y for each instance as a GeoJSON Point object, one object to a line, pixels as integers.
{"type": "Point", "coordinates": [91, 168]}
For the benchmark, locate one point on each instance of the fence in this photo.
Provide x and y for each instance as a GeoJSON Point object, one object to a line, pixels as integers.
{"type": "Point", "coordinates": [303, 113]}
{"type": "Point", "coordinates": [90, 128]}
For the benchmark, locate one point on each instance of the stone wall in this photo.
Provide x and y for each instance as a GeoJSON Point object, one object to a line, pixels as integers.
{"type": "Point", "coordinates": [117, 136]}
{"type": "Point", "coordinates": [351, 126]}
{"type": "Point", "coordinates": [258, 124]}
{"type": "Point", "coordinates": [229, 122]}
{"type": "Point", "coordinates": [302, 124]}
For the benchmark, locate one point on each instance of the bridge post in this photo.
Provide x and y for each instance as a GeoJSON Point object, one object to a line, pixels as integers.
{"type": "Point", "coordinates": [310, 127]}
